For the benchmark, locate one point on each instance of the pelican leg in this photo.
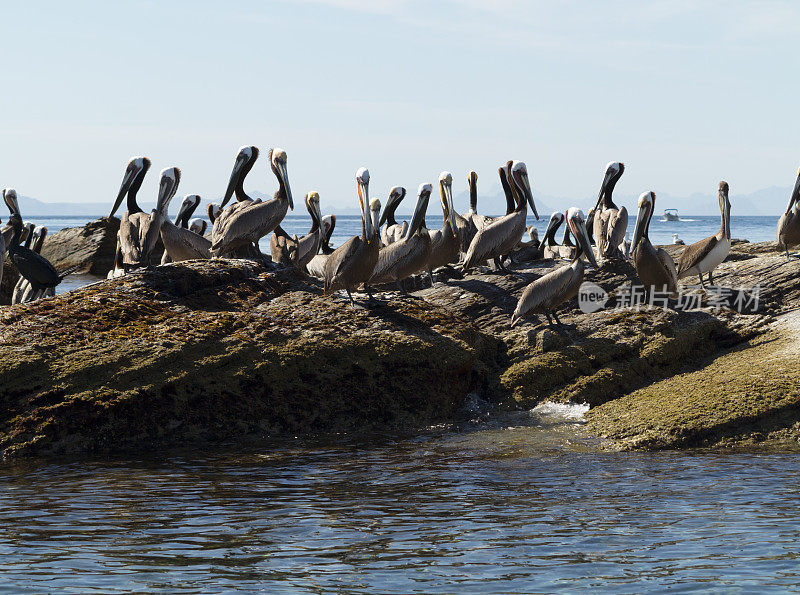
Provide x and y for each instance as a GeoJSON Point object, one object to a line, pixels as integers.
{"type": "Point", "coordinates": [549, 319]}
{"type": "Point", "coordinates": [430, 276]}
{"type": "Point", "coordinates": [350, 295]}
{"type": "Point", "coordinates": [710, 278]}
{"type": "Point", "coordinates": [558, 322]}
{"type": "Point", "coordinates": [372, 298]}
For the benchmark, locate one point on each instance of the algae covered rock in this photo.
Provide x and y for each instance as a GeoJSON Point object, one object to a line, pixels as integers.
{"type": "Point", "coordinates": [220, 350]}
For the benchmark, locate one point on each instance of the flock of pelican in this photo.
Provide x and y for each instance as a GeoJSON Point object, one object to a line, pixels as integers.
{"type": "Point", "coordinates": [387, 251]}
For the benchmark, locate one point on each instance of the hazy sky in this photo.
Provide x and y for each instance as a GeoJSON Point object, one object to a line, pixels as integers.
{"type": "Point", "coordinates": [685, 92]}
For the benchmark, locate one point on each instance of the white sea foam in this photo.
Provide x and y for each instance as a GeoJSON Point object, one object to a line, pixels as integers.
{"type": "Point", "coordinates": [554, 413]}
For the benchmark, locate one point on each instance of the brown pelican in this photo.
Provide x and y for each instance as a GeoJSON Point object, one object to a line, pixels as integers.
{"type": "Point", "coordinates": [138, 231]}
{"type": "Point", "coordinates": [298, 252]}
{"type": "Point", "coordinates": [445, 242]}
{"type": "Point", "coordinates": [316, 267]}
{"type": "Point", "coordinates": [789, 223]}
{"type": "Point", "coordinates": [609, 222]}
{"type": "Point", "coordinates": [655, 268]}
{"type": "Point", "coordinates": [401, 259]}
{"type": "Point", "coordinates": [10, 198]}
{"type": "Point", "coordinates": [704, 256]}
{"type": "Point", "coordinates": [352, 263]}
{"type": "Point", "coordinates": [23, 290]}
{"type": "Point", "coordinates": [394, 231]}
{"type": "Point", "coordinates": [249, 223]}
{"type": "Point", "coordinates": [198, 226]}
{"type": "Point", "coordinates": [213, 211]}
{"type": "Point", "coordinates": [500, 237]}
{"type": "Point", "coordinates": [37, 270]}
{"type": "Point", "coordinates": [188, 206]}
{"type": "Point", "coordinates": [549, 248]}
{"type": "Point", "coordinates": [549, 291]}
{"type": "Point", "coordinates": [180, 242]}
{"type": "Point", "coordinates": [134, 175]}
{"type": "Point", "coordinates": [480, 221]}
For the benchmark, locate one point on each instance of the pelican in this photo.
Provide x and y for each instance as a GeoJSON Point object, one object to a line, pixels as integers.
{"type": "Point", "coordinates": [10, 198]}
{"type": "Point", "coordinates": [500, 237]}
{"type": "Point", "coordinates": [549, 247]}
{"type": "Point", "coordinates": [33, 267]}
{"type": "Point", "coordinates": [316, 267]}
{"type": "Point", "coordinates": [188, 207]}
{"type": "Point", "coordinates": [704, 256]}
{"type": "Point", "coordinates": [23, 290]}
{"type": "Point", "coordinates": [138, 231]}
{"type": "Point", "coordinates": [789, 223]}
{"type": "Point", "coordinates": [180, 242]}
{"type": "Point", "coordinates": [478, 222]}
{"type": "Point", "coordinates": [295, 251]}
{"type": "Point", "coordinates": [548, 292]}
{"type": "Point", "coordinates": [609, 222]}
{"type": "Point", "coordinates": [402, 259]}
{"type": "Point", "coordinates": [445, 242]}
{"type": "Point", "coordinates": [198, 226]}
{"type": "Point", "coordinates": [655, 268]}
{"type": "Point", "coordinates": [251, 222]}
{"type": "Point", "coordinates": [394, 231]}
{"type": "Point", "coordinates": [213, 212]}
{"type": "Point", "coordinates": [352, 263]}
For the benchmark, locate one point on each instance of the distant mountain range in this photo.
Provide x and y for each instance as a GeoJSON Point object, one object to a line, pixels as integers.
{"type": "Point", "coordinates": [768, 201]}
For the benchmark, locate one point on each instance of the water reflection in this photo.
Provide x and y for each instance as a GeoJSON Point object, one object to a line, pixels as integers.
{"type": "Point", "coordinates": [515, 504]}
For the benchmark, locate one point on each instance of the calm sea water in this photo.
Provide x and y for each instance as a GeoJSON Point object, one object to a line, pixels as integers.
{"type": "Point", "coordinates": [523, 503]}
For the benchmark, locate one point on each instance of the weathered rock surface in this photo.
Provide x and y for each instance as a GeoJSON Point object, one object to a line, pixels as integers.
{"type": "Point", "coordinates": [91, 247]}
{"type": "Point", "coordinates": [225, 349]}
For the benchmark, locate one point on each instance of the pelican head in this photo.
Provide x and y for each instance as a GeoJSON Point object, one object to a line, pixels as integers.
{"type": "Point", "coordinates": [278, 159]}
{"type": "Point", "coordinates": [446, 196]}
{"type": "Point", "coordinates": [423, 195]}
{"type": "Point", "coordinates": [794, 199]}
{"type": "Point", "coordinates": [362, 182]}
{"type": "Point", "coordinates": [374, 216]}
{"type": "Point", "coordinates": [577, 226]}
{"type": "Point", "coordinates": [312, 205]}
{"type": "Point", "coordinates": [245, 159]}
{"type": "Point", "coordinates": [614, 171]}
{"type": "Point", "coordinates": [328, 225]}
{"type": "Point", "coordinates": [213, 211]}
{"type": "Point", "coordinates": [519, 180]}
{"type": "Point", "coordinates": [556, 219]}
{"type": "Point", "coordinates": [646, 204]}
{"type": "Point", "coordinates": [189, 203]}
{"type": "Point", "coordinates": [472, 177]}
{"type": "Point", "coordinates": [134, 174]}
{"type": "Point", "coordinates": [10, 198]}
{"type": "Point", "coordinates": [396, 196]}
{"type": "Point", "coordinates": [198, 226]}
{"type": "Point", "coordinates": [167, 187]}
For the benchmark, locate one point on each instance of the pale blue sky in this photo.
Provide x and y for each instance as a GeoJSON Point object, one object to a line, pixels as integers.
{"type": "Point", "coordinates": [686, 93]}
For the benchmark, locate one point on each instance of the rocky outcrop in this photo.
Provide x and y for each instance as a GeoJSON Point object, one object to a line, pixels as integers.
{"type": "Point", "coordinates": [91, 247]}
{"type": "Point", "coordinates": [228, 349]}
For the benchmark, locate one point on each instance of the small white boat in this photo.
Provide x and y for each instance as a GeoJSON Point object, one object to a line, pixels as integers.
{"type": "Point", "coordinates": [670, 215]}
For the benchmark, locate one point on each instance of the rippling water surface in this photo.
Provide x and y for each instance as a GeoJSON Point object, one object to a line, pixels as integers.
{"type": "Point", "coordinates": [522, 503]}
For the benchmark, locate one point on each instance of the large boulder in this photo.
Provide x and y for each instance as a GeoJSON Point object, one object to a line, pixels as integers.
{"type": "Point", "coordinates": [91, 247]}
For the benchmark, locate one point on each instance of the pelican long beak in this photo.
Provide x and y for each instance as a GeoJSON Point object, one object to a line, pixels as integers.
{"type": "Point", "coordinates": [185, 212]}
{"type": "Point", "coordinates": [552, 227]}
{"type": "Point", "coordinates": [447, 195]}
{"type": "Point", "coordinates": [237, 170]}
{"type": "Point", "coordinates": [641, 224]}
{"type": "Point", "coordinates": [419, 214]}
{"type": "Point", "coordinates": [526, 189]}
{"type": "Point", "coordinates": [603, 186]}
{"type": "Point", "coordinates": [795, 198]}
{"type": "Point", "coordinates": [284, 174]}
{"type": "Point", "coordinates": [167, 187]}
{"type": "Point", "coordinates": [130, 175]}
{"type": "Point", "coordinates": [363, 199]}
{"type": "Point", "coordinates": [583, 240]}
